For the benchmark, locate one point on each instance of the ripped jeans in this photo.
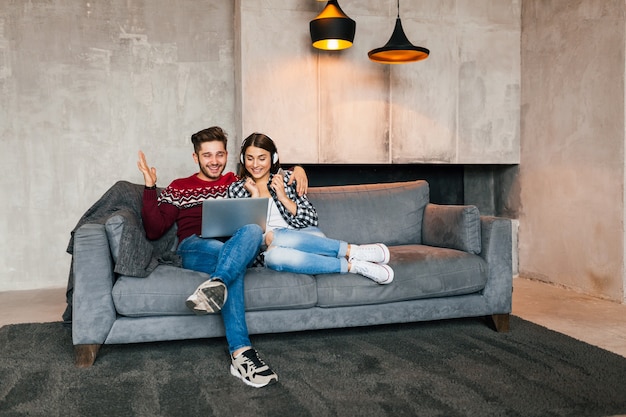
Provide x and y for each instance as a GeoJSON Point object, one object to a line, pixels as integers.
{"type": "Point", "coordinates": [306, 251]}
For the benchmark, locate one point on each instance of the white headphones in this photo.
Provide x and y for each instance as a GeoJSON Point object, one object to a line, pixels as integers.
{"type": "Point", "coordinates": [274, 157]}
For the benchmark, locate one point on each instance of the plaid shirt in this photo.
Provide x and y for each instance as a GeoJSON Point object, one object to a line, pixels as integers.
{"type": "Point", "coordinates": [305, 216]}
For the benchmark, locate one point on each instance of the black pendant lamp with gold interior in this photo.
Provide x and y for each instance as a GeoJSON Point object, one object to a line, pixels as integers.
{"type": "Point", "coordinates": [332, 30]}
{"type": "Point", "coordinates": [398, 50]}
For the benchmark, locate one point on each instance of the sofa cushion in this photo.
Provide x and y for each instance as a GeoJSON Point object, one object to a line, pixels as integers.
{"type": "Point", "coordinates": [165, 290]}
{"type": "Point", "coordinates": [387, 213]}
{"type": "Point", "coordinates": [420, 272]}
{"type": "Point", "coordinates": [271, 290]}
{"type": "Point", "coordinates": [454, 227]}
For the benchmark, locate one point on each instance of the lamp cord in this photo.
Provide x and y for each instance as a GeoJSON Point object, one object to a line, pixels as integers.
{"type": "Point", "coordinates": [398, 9]}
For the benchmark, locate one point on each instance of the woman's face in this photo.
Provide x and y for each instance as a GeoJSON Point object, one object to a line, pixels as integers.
{"type": "Point", "coordinates": [258, 162]}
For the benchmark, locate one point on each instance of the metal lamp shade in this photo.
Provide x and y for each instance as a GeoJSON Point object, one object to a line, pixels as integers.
{"type": "Point", "coordinates": [332, 30]}
{"type": "Point", "coordinates": [398, 49]}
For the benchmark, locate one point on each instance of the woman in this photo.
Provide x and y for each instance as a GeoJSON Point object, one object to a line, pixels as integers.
{"type": "Point", "coordinates": [293, 240]}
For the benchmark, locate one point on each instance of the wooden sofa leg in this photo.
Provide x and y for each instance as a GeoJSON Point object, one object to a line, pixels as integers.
{"type": "Point", "coordinates": [85, 355]}
{"type": "Point", "coordinates": [499, 322]}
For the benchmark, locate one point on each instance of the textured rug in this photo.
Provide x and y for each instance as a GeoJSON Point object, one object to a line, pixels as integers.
{"type": "Point", "coordinates": [444, 368]}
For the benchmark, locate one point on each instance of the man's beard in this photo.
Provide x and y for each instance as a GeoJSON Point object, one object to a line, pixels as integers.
{"type": "Point", "coordinates": [208, 173]}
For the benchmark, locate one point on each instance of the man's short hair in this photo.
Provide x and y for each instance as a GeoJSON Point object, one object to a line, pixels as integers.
{"type": "Point", "coordinates": [208, 135]}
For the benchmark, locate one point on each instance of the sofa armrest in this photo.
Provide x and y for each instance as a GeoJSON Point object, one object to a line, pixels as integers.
{"type": "Point", "coordinates": [93, 311]}
{"type": "Point", "coordinates": [452, 226]}
{"type": "Point", "coordinates": [497, 251]}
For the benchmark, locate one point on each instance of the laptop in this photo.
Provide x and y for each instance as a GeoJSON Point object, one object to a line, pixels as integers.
{"type": "Point", "coordinates": [221, 217]}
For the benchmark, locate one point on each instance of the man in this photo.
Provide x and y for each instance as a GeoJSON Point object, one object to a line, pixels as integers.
{"type": "Point", "coordinates": [226, 262]}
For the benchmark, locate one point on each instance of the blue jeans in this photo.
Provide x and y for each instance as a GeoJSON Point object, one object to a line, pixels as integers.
{"type": "Point", "coordinates": [228, 262]}
{"type": "Point", "coordinates": [306, 251]}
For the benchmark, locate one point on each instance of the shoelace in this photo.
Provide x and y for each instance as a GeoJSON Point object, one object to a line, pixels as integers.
{"type": "Point", "coordinates": [254, 360]}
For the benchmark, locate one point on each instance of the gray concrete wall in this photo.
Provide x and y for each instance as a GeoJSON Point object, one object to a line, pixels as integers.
{"type": "Point", "coordinates": [85, 85]}
{"type": "Point", "coordinates": [461, 105]}
{"type": "Point", "coordinates": [572, 162]}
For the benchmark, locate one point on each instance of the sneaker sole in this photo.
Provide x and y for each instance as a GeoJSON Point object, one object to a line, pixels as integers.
{"type": "Point", "coordinates": [191, 305]}
{"type": "Point", "coordinates": [387, 255]}
{"type": "Point", "coordinates": [234, 372]}
{"type": "Point", "coordinates": [216, 297]}
{"type": "Point", "coordinates": [390, 276]}
{"type": "Point", "coordinates": [387, 281]}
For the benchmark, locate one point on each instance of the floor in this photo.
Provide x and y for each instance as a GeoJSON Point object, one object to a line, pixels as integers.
{"type": "Point", "coordinates": [598, 322]}
{"type": "Point", "coordinates": [595, 321]}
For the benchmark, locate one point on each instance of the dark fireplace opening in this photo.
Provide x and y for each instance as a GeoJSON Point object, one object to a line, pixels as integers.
{"type": "Point", "coordinates": [492, 188]}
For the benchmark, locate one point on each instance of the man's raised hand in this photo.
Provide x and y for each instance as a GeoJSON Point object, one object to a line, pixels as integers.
{"type": "Point", "coordinates": [149, 173]}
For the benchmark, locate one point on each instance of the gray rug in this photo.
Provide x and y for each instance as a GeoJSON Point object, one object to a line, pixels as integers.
{"type": "Point", "coordinates": [445, 368]}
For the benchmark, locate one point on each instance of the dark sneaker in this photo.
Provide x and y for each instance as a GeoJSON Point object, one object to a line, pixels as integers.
{"type": "Point", "coordinates": [376, 252]}
{"type": "Point", "coordinates": [209, 297]}
{"type": "Point", "coordinates": [252, 370]}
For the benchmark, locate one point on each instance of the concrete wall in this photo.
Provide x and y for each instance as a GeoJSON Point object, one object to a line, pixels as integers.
{"type": "Point", "coordinates": [572, 165]}
{"type": "Point", "coordinates": [461, 105]}
{"type": "Point", "coordinates": [85, 85]}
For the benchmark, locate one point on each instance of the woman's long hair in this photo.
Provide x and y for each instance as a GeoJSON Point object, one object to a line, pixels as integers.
{"type": "Point", "coordinates": [258, 140]}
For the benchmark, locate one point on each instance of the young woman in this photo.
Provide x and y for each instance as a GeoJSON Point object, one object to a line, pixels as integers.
{"type": "Point", "coordinates": [292, 239]}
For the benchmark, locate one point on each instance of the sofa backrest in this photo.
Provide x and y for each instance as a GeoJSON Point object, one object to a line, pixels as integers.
{"type": "Point", "coordinates": [389, 213]}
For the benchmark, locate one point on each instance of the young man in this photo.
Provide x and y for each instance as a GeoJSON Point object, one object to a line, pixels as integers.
{"type": "Point", "coordinates": [226, 262]}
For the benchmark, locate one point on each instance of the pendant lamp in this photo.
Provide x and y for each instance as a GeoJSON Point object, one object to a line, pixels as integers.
{"type": "Point", "coordinates": [398, 50]}
{"type": "Point", "coordinates": [332, 30]}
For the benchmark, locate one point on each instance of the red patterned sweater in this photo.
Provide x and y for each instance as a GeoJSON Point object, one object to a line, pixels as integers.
{"type": "Point", "coordinates": [181, 202]}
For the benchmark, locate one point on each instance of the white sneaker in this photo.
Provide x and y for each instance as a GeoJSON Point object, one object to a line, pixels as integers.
{"type": "Point", "coordinates": [209, 297]}
{"type": "Point", "coordinates": [381, 274]}
{"type": "Point", "coordinates": [376, 252]}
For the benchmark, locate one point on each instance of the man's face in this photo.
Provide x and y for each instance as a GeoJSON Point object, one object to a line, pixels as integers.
{"type": "Point", "coordinates": [211, 159]}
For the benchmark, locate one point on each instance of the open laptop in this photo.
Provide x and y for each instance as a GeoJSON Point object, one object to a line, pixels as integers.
{"type": "Point", "coordinates": [221, 217]}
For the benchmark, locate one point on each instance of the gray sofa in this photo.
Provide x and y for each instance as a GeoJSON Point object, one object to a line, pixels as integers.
{"type": "Point", "coordinates": [449, 262]}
